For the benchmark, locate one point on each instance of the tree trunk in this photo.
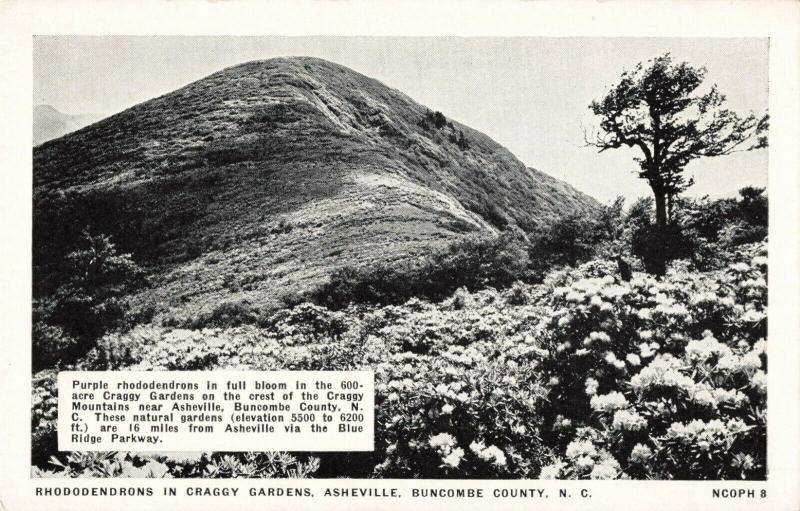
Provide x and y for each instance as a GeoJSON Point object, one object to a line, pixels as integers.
{"type": "Point", "coordinates": [658, 261]}
{"type": "Point", "coordinates": [670, 201]}
{"type": "Point", "coordinates": [661, 209]}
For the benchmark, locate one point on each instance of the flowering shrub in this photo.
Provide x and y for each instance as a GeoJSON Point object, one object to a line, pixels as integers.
{"type": "Point", "coordinates": [307, 321]}
{"type": "Point", "coordinates": [665, 378]}
{"type": "Point", "coordinates": [460, 413]}
{"type": "Point", "coordinates": [179, 464]}
{"type": "Point", "coordinates": [583, 376]}
{"type": "Point", "coordinates": [44, 414]}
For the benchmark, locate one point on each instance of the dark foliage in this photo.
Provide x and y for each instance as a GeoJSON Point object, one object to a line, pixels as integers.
{"type": "Point", "coordinates": [570, 240]}
{"type": "Point", "coordinates": [459, 139]}
{"type": "Point", "coordinates": [753, 206]}
{"type": "Point", "coordinates": [142, 221]}
{"type": "Point", "coordinates": [489, 211]}
{"type": "Point", "coordinates": [230, 313]}
{"type": "Point", "coordinates": [91, 301]}
{"type": "Point", "coordinates": [474, 262]}
{"type": "Point", "coordinates": [701, 229]}
{"type": "Point", "coordinates": [656, 246]}
{"type": "Point", "coordinates": [313, 321]}
{"type": "Point", "coordinates": [230, 151]}
{"type": "Point", "coordinates": [577, 238]}
{"type": "Point", "coordinates": [434, 119]}
{"type": "Point", "coordinates": [50, 343]}
{"type": "Point", "coordinates": [462, 141]}
{"type": "Point", "coordinates": [192, 250]}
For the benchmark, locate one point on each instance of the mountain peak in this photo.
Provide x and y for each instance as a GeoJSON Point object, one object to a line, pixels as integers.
{"type": "Point", "coordinates": [46, 109]}
{"type": "Point", "coordinates": [289, 63]}
{"type": "Point", "coordinates": [291, 167]}
{"type": "Point", "coordinates": [49, 123]}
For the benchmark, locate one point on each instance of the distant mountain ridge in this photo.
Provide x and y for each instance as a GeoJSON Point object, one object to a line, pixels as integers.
{"type": "Point", "coordinates": [49, 123]}
{"type": "Point", "coordinates": [261, 178]}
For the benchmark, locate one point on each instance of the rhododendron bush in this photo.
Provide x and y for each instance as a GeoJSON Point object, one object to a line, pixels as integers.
{"type": "Point", "coordinates": [583, 376]}
{"type": "Point", "coordinates": [660, 378]}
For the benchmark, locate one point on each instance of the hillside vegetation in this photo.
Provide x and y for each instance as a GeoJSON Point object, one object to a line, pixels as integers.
{"type": "Point", "coordinates": [665, 378]}
{"type": "Point", "coordinates": [268, 175]}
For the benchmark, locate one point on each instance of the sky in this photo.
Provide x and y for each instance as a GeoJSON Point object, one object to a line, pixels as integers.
{"type": "Point", "coordinates": [529, 94]}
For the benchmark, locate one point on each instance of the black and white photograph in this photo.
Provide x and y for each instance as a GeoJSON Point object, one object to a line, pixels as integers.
{"type": "Point", "coordinates": [551, 252]}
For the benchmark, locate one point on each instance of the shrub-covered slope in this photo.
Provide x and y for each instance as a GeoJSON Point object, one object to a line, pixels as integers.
{"type": "Point", "coordinates": [583, 376]}
{"type": "Point", "coordinates": [263, 177]}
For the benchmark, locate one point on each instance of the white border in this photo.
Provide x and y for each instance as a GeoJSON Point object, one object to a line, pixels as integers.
{"type": "Point", "coordinates": [778, 20]}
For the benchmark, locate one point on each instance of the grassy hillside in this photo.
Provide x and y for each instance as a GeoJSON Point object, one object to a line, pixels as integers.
{"type": "Point", "coordinates": [264, 177]}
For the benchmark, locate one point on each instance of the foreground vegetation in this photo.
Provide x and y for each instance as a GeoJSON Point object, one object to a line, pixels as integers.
{"type": "Point", "coordinates": [665, 378]}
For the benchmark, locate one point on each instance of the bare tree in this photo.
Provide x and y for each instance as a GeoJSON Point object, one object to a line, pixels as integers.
{"type": "Point", "coordinates": [660, 110]}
